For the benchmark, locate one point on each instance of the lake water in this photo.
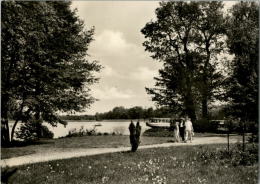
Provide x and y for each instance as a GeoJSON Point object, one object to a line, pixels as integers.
{"type": "Point", "coordinates": [106, 126]}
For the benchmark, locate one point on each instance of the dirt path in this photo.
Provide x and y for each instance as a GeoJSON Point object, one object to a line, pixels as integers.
{"type": "Point", "coordinates": [71, 153]}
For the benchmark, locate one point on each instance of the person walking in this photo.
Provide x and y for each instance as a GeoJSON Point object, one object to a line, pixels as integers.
{"type": "Point", "coordinates": [181, 129]}
{"type": "Point", "coordinates": [138, 132]}
{"type": "Point", "coordinates": [188, 129]}
{"type": "Point", "coordinates": [177, 132]}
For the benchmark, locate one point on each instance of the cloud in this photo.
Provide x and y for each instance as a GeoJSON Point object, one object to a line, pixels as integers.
{"type": "Point", "coordinates": [111, 42]}
{"type": "Point", "coordinates": [107, 71]}
{"type": "Point", "coordinates": [144, 74]}
{"type": "Point", "coordinates": [112, 93]}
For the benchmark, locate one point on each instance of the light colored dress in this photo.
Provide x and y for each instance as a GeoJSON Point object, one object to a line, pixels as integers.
{"type": "Point", "coordinates": [188, 130]}
{"type": "Point", "coordinates": [177, 132]}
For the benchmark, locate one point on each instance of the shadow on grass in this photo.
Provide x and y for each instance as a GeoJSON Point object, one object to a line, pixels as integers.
{"type": "Point", "coordinates": [158, 132]}
{"type": "Point", "coordinates": [6, 173]}
{"type": "Point", "coordinates": [17, 143]}
{"type": "Point", "coordinates": [162, 132]}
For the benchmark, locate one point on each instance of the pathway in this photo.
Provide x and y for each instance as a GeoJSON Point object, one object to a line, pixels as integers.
{"type": "Point", "coordinates": [69, 153]}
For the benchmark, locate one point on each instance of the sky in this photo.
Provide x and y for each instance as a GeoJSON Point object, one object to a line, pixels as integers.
{"type": "Point", "coordinates": [117, 45]}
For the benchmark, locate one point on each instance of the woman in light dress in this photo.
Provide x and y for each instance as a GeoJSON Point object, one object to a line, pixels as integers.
{"type": "Point", "coordinates": [177, 132]}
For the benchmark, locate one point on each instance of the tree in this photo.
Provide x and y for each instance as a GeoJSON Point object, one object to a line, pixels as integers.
{"type": "Point", "coordinates": [185, 37]}
{"type": "Point", "coordinates": [44, 65]}
{"type": "Point", "coordinates": [169, 39]}
{"type": "Point", "coordinates": [120, 113]}
{"type": "Point", "coordinates": [136, 112]}
{"type": "Point", "coordinates": [209, 41]}
{"type": "Point", "coordinates": [243, 42]}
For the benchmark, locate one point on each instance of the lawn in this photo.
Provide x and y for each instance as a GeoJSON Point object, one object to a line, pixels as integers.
{"type": "Point", "coordinates": [189, 164]}
{"type": "Point", "coordinates": [104, 141]}
{"type": "Point", "coordinates": [108, 141]}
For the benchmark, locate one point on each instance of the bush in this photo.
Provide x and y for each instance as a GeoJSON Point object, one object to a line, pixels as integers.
{"type": "Point", "coordinates": [88, 132]}
{"type": "Point", "coordinates": [204, 125]}
{"type": "Point", "coordinates": [233, 157]}
{"type": "Point", "coordinates": [46, 133]}
{"type": "Point", "coordinates": [27, 132]}
{"type": "Point", "coordinates": [33, 130]}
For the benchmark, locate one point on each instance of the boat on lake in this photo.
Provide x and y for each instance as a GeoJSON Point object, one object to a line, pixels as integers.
{"type": "Point", "coordinates": [159, 122]}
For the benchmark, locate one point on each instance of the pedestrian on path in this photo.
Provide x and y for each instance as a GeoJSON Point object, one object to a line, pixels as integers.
{"type": "Point", "coordinates": [188, 129]}
{"type": "Point", "coordinates": [177, 132]}
{"type": "Point", "coordinates": [182, 129]}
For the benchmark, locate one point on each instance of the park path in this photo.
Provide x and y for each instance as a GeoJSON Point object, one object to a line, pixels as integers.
{"type": "Point", "coordinates": [62, 153]}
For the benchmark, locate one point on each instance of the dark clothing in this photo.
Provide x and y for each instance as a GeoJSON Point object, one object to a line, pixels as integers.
{"type": "Point", "coordinates": [138, 132]}
{"type": "Point", "coordinates": [182, 129]}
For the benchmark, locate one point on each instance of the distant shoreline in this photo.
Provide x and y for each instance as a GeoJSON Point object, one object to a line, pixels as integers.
{"type": "Point", "coordinates": [109, 120]}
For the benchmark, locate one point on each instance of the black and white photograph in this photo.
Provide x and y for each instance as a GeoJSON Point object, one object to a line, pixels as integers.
{"type": "Point", "coordinates": [129, 92]}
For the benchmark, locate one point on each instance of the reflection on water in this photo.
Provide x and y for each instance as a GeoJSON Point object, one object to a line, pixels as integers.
{"type": "Point", "coordinates": [119, 127]}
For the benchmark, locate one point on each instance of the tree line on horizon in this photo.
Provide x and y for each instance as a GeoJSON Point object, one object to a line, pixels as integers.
{"type": "Point", "coordinates": [138, 112]}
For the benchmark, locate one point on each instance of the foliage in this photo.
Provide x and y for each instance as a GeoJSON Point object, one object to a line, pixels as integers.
{"type": "Point", "coordinates": [243, 42]}
{"type": "Point", "coordinates": [136, 112]}
{"type": "Point", "coordinates": [204, 125]}
{"type": "Point", "coordinates": [81, 132]}
{"type": "Point", "coordinates": [234, 157]}
{"type": "Point", "coordinates": [88, 132]}
{"type": "Point", "coordinates": [28, 131]}
{"type": "Point", "coordinates": [46, 133]}
{"type": "Point", "coordinates": [44, 64]}
{"type": "Point", "coordinates": [186, 38]}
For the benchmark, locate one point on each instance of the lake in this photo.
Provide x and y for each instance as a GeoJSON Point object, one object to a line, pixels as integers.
{"type": "Point", "coordinates": [109, 126]}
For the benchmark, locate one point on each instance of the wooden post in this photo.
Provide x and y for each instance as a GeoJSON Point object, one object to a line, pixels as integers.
{"type": "Point", "coordinates": [243, 135]}
{"type": "Point", "coordinates": [228, 140]}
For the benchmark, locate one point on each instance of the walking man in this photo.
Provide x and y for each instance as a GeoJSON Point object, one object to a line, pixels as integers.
{"type": "Point", "coordinates": [181, 129]}
{"type": "Point", "coordinates": [188, 129]}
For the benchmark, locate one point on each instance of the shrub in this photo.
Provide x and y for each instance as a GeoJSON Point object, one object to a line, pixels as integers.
{"type": "Point", "coordinates": [27, 132]}
{"type": "Point", "coordinates": [31, 131]}
{"type": "Point", "coordinates": [203, 125]}
{"type": "Point", "coordinates": [46, 133]}
{"type": "Point", "coordinates": [233, 157]}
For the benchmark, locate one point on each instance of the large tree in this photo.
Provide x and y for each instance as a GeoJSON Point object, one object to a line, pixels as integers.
{"type": "Point", "coordinates": [185, 37]}
{"type": "Point", "coordinates": [243, 42]}
{"type": "Point", "coordinates": [209, 41]}
{"type": "Point", "coordinates": [45, 69]}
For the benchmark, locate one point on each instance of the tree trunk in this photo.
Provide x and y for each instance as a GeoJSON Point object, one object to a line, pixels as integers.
{"type": "Point", "coordinates": [4, 121]}
{"type": "Point", "coordinates": [37, 112]}
{"type": "Point", "coordinates": [204, 107]}
{"type": "Point", "coordinates": [5, 133]}
{"type": "Point", "coordinates": [18, 118]}
{"type": "Point", "coordinates": [12, 132]}
{"type": "Point", "coordinates": [190, 107]}
{"type": "Point", "coordinates": [38, 124]}
{"type": "Point", "coordinates": [228, 140]}
{"type": "Point", "coordinates": [243, 133]}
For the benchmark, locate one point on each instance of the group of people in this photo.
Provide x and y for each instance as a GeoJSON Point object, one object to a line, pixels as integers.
{"type": "Point", "coordinates": [183, 130]}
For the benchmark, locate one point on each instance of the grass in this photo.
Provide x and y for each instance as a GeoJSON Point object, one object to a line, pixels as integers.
{"type": "Point", "coordinates": [161, 132]}
{"type": "Point", "coordinates": [108, 141]}
{"type": "Point", "coordinates": [159, 165]}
